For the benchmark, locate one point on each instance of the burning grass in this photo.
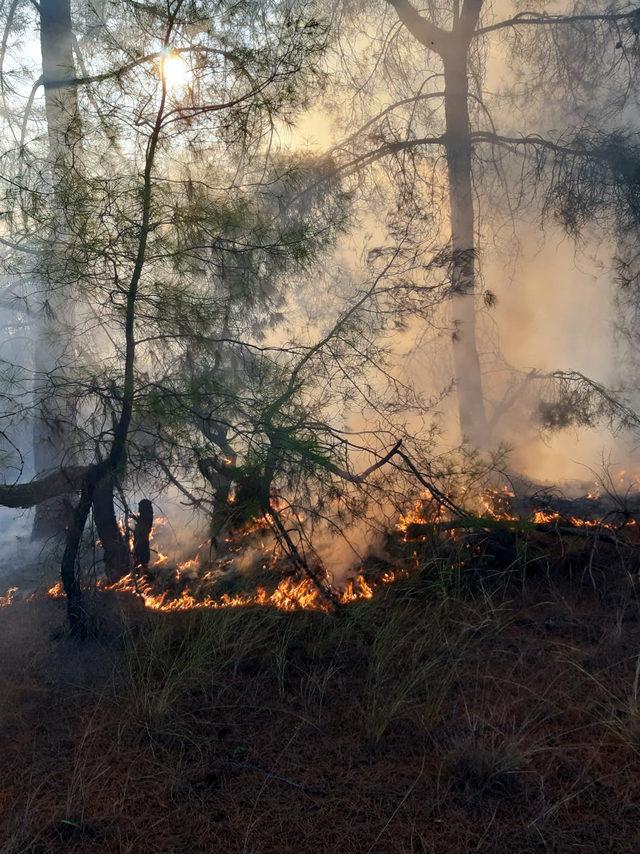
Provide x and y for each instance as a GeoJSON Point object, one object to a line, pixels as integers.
{"type": "Point", "coordinates": [507, 538]}
{"type": "Point", "coordinates": [289, 595]}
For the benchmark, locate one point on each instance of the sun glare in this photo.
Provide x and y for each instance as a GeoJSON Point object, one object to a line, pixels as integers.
{"type": "Point", "coordinates": [175, 70]}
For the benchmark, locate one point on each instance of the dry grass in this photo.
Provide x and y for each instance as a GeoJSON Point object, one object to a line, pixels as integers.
{"type": "Point", "coordinates": [430, 719]}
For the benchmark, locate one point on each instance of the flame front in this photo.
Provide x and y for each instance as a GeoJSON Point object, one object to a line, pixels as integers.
{"type": "Point", "coordinates": [191, 584]}
{"type": "Point", "coordinates": [289, 595]}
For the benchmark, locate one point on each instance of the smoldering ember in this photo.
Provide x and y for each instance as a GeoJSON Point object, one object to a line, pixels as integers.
{"type": "Point", "coordinates": [319, 426]}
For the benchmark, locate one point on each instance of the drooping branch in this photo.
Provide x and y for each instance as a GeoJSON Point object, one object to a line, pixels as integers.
{"type": "Point", "coordinates": [571, 399]}
{"type": "Point", "coordinates": [573, 149]}
{"type": "Point", "coordinates": [582, 400]}
{"type": "Point", "coordinates": [477, 137]}
{"type": "Point", "coordinates": [414, 99]}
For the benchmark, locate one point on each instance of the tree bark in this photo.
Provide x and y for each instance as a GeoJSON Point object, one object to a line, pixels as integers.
{"type": "Point", "coordinates": [452, 46]}
{"type": "Point", "coordinates": [114, 545]}
{"type": "Point", "coordinates": [55, 413]}
{"type": "Point", "coordinates": [468, 376]}
{"type": "Point", "coordinates": [70, 581]}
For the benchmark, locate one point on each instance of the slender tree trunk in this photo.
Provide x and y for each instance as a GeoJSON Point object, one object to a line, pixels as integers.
{"type": "Point", "coordinates": [55, 413]}
{"type": "Point", "coordinates": [116, 460]}
{"type": "Point", "coordinates": [473, 422]}
{"type": "Point", "coordinates": [68, 574]}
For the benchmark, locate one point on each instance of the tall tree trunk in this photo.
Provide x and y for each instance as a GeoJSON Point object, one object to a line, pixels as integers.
{"type": "Point", "coordinates": [55, 413]}
{"type": "Point", "coordinates": [473, 422]}
{"type": "Point", "coordinates": [117, 458]}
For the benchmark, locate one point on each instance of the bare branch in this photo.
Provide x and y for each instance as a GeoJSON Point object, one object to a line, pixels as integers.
{"type": "Point", "coordinates": [543, 19]}
{"type": "Point", "coordinates": [360, 478]}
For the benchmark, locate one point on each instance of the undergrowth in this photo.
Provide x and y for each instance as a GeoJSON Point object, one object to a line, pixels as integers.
{"type": "Point", "coordinates": [447, 713]}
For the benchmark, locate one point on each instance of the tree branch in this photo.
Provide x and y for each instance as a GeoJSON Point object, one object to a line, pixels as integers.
{"type": "Point", "coordinates": [469, 19]}
{"type": "Point", "coordinates": [420, 28]}
{"type": "Point", "coordinates": [360, 478]}
{"type": "Point", "coordinates": [414, 99]}
{"type": "Point", "coordinates": [477, 137]}
{"type": "Point", "coordinates": [121, 70]}
{"type": "Point", "coordinates": [61, 482]}
{"type": "Point", "coordinates": [543, 19]}
{"type": "Point", "coordinates": [385, 149]}
{"type": "Point", "coordinates": [573, 150]}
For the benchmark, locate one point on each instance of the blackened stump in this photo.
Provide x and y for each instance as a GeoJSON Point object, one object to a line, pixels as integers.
{"type": "Point", "coordinates": [142, 534]}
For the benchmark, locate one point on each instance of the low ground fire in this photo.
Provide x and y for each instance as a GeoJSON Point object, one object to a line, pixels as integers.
{"type": "Point", "coordinates": [199, 582]}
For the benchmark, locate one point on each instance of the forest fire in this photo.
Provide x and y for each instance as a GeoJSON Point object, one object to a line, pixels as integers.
{"type": "Point", "coordinates": [190, 565]}
{"type": "Point", "coordinates": [424, 511]}
{"type": "Point", "coordinates": [194, 583]}
{"type": "Point", "coordinates": [592, 511]}
{"type": "Point", "coordinates": [319, 494]}
{"type": "Point", "coordinates": [191, 585]}
{"type": "Point", "coordinates": [319, 337]}
{"type": "Point", "coordinates": [289, 594]}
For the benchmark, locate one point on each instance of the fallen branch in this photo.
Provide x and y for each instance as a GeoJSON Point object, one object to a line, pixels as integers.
{"type": "Point", "coordinates": [483, 523]}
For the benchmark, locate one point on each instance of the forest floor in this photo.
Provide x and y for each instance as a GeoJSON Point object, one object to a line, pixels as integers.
{"type": "Point", "coordinates": [435, 717]}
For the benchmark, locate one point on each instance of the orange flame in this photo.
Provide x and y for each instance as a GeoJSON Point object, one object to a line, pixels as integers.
{"type": "Point", "coordinates": [56, 591]}
{"type": "Point", "coordinates": [289, 595]}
